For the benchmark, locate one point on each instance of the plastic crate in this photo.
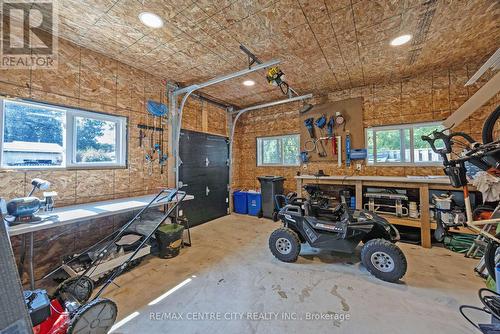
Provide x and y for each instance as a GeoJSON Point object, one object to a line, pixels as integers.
{"type": "Point", "coordinates": [254, 203]}
{"type": "Point", "coordinates": [240, 202]}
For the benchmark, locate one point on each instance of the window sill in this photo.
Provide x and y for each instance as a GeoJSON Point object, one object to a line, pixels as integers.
{"type": "Point", "coordinates": [402, 164]}
{"type": "Point", "coordinates": [295, 166]}
{"type": "Point", "coordinates": [45, 169]}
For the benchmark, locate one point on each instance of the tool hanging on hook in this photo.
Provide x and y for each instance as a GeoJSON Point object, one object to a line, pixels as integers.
{"type": "Point", "coordinates": [320, 123]}
{"type": "Point", "coordinates": [331, 134]}
{"type": "Point", "coordinates": [309, 123]}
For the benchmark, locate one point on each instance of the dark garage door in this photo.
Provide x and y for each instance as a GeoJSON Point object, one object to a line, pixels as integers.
{"type": "Point", "coordinates": [205, 171]}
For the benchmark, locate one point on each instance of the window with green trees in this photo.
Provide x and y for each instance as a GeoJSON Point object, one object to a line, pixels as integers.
{"type": "Point", "coordinates": [401, 144]}
{"type": "Point", "coordinates": [278, 150]}
{"type": "Point", "coordinates": [36, 135]}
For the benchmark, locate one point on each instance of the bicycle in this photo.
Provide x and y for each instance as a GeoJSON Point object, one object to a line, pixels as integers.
{"type": "Point", "coordinates": [486, 157]}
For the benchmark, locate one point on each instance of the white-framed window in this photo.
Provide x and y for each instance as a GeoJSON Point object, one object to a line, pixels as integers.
{"type": "Point", "coordinates": [401, 144]}
{"type": "Point", "coordinates": [278, 150]}
{"type": "Point", "coordinates": [43, 136]}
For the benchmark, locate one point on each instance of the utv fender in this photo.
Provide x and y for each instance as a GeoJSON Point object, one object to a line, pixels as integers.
{"type": "Point", "coordinates": [382, 229]}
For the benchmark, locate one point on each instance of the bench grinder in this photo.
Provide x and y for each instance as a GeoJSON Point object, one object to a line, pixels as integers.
{"type": "Point", "coordinates": [23, 209]}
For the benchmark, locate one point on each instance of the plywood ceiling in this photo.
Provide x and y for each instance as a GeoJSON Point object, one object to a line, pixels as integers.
{"type": "Point", "coordinates": [323, 45]}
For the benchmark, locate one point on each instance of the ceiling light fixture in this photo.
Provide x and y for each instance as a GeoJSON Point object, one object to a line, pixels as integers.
{"type": "Point", "coordinates": [403, 39]}
{"type": "Point", "coordinates": [249, 83]}
{"type": "Point", "coordinates": [151, 20]}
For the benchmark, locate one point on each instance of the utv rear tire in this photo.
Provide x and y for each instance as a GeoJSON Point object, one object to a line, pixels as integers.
{"type": "Point", "coordinates": [384, 260]}
{"type": "Point", "coordinates": [284, 243]}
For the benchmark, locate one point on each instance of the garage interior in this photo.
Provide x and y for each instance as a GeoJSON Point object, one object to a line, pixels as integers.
{"type": "Point", "coordinates": [249, 166]}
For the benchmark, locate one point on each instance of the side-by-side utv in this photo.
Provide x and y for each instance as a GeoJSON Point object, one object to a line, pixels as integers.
{"type": "Point", "coordinates": [339, 229]}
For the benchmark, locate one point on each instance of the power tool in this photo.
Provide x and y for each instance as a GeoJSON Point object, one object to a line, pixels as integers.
{"type": "Point", "coordinates": [309, 123]}
{"type": "Point", "coordinates": [23, 209]}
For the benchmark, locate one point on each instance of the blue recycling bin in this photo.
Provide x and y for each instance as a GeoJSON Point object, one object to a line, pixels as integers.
{"type": "Point", "coordinates": [254, 203]}
{"type": "Point", "coordinates": [240, 202]}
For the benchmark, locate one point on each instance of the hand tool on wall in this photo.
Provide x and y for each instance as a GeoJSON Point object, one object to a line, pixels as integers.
{"type": "Point", "coordinates": [304, 157]}
{"type": "Point", "coordinates": [162, 161]}
{"type": "Point", "coordinates": [329, 128]}
{"type": "Point", "coordinates": [142, 135]}
{"type": "Point", "coordinates": [320, 123]}
{"type": "Point", "coordinates": [339, 150]}
{"type": "Point", "coordinates": [312, 145]}
{"type": "Point", "coordinates": [309, 123]}
{"type": "Point", "coordinates": [348, 149]}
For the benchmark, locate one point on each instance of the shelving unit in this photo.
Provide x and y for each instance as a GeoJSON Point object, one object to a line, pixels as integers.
{"type": "Point", "coordinates": [403, 221]}
{"type": "Point", "coordinates": [423, 184]}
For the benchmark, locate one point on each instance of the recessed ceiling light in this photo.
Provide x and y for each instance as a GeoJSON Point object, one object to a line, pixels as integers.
{"type": "Point", "coordinates": [249, 82]}
{"type": "Point", "coordinates": [151, 20]}
{"type": "Point", "coordinates": [401, 40]}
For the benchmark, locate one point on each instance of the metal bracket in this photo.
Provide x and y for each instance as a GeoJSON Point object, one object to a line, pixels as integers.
{"type": "Point", "coordinates": [252, 59]}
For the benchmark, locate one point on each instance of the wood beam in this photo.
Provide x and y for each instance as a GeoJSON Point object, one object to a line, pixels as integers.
{"type": "Point", "coordinates": [483, 95]}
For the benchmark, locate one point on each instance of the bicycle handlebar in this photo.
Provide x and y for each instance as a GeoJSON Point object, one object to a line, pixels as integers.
{"type": "Point", "coordinates": [476, 150]}
{"type": "Point", "coordinates": [447, 140]}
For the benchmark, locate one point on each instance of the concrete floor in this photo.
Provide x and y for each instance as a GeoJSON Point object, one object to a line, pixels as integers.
{"type": "Point", "coordinates": [230, 275]}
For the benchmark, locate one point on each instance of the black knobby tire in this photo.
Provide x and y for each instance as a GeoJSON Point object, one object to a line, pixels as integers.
{"type": "Point", "coordinates": [284, 243]}
{"type": "Point", "coordinates": [96, 317]}
{"type": "Point", "coordinates": [489, 126]}
{"type": "Point", "coordinates": [490, 256]}
{"type": "Point", "coordinates": [384, 260]}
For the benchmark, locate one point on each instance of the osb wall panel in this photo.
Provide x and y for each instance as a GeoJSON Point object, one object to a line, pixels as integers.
{"type": "Point", "coordinates": [428, 97]}
{"type": "Point", "coordinates": [86, 79]}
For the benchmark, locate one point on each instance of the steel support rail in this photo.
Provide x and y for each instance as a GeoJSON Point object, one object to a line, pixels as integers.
{"type": "Point", "coordinates": [244, 110]}
{"type": "Point", "coordinates": [176, 114]}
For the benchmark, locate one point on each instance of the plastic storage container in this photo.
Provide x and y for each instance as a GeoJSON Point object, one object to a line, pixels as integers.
{"type": "Point", "coordinates": [240, 202]}
{"type": "Point", "coordinates": [253, 203]}
{"type": "Point", "coordinates": [270, 186]}
{"type": "Point", "coordinates": [169, 239]}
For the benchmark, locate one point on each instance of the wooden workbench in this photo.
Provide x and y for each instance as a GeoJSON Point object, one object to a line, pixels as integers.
{"type": "Point", "coordinates": [423, 184]}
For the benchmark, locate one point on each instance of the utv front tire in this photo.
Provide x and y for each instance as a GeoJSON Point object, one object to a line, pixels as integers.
{"type": "Point", "coordinates": [284, 243]}
{"type": "Point", "coordinates": [384, 260]}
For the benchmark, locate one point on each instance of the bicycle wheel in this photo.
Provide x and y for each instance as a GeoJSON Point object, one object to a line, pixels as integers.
{"type": "Point", "coordinates": [491, 129]}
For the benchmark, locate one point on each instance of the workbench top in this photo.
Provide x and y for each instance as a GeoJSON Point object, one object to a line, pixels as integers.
{"type": "Point", "coordinates": [406, 179]}
{"type": "Point", "coordinates": [76, 213]}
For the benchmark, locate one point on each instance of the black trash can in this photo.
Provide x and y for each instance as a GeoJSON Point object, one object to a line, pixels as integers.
{"type": "Point", "coordinates": [270, 186]}
{"type": "Point", "coordinates": [169, 239]}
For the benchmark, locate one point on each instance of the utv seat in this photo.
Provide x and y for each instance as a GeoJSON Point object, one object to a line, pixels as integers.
{"type": "Point", "coordinates": [329, 215]}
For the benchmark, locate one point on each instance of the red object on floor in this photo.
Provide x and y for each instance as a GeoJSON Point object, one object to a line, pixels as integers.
{"type": "Point", "coordinates": [57, 323]}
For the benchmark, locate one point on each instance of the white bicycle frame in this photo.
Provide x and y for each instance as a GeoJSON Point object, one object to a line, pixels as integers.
{"type": "Point", "coordinates": [475, 224]}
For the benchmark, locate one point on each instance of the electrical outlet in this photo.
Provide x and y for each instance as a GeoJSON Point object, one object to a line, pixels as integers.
{"type": "Point", "coordinates": [358, 167]}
